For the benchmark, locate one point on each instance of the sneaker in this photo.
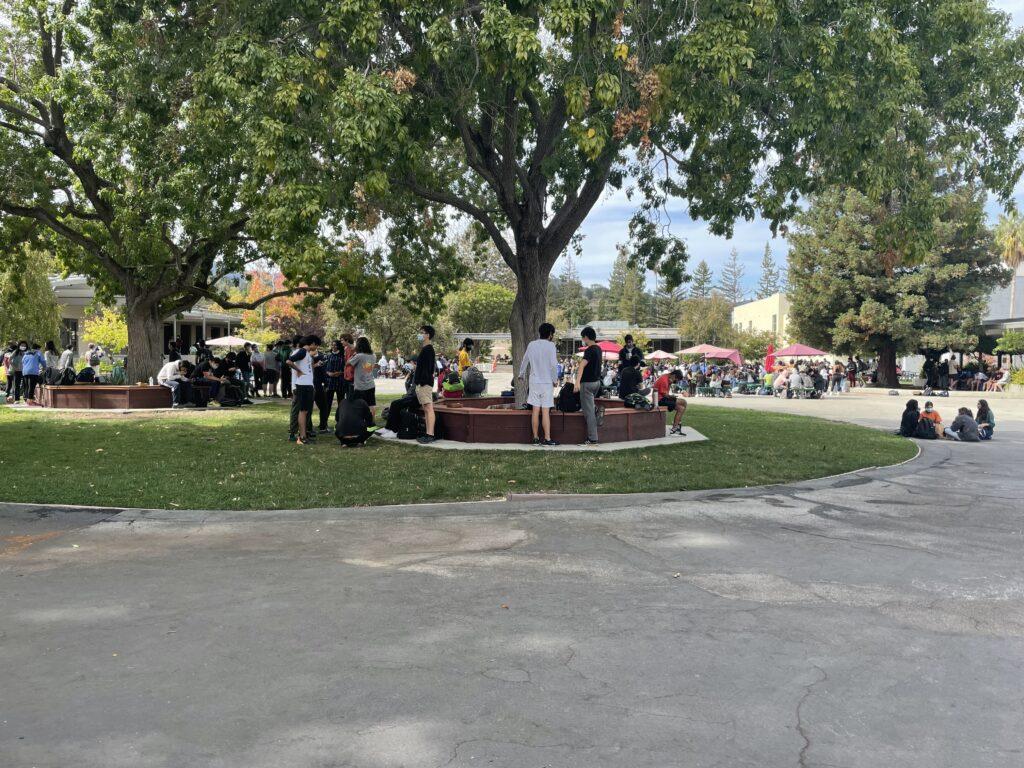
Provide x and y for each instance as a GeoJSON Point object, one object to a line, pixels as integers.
{"type": "Point", "coordinates": [675, 431]}
{"type": "Point", "coordinates": [550, 443]}
{"type": "Point", "coordinates": [536, 441]}
{"type": "Point", "coordinates": [323, 430]}
{"type": "Point", "coordinates": [589, 442]}
{"type": "Point", "coordinates": [387, 434]}
{"type": "Point", "coordinates": [292, 438]}
{"type": "Point", "coordinates": [426, 439]}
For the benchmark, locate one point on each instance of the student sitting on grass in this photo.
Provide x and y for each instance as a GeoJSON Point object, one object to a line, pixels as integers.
{"type": "Point", "coordinates": [908, 423]}
{"type": "Point", "coordinates": [964, 428]}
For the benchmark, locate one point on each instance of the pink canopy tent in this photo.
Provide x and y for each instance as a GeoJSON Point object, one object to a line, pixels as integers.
{"type": "Point", "coordinates": [714, 353]}
{"type": "Point", "coordinates": [609, 350]}
{"type": "Point", "coordinates": [700, 349]}
{"type": "Point", "coordinates": [660, 355]}
{"type": "Point", "coordinates": [799, 350]}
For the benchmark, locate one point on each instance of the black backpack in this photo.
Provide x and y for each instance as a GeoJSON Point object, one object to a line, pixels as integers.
{"type": "Point", "coordinates": [66, 377]}
{"type": "Point", "coordinates": [473, 381]}
{"type": "Point", "coordinates": [568, 400]}
{"type": "Point", "coordinates": [412, 424]}
{"type": "Point", "coordinates": [926, 430]}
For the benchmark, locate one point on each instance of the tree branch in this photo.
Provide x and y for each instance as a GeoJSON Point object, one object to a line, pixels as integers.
{"type": "Point", "coordinates": [446, 198]}
{"type": "Point", "coordinates": [223, 302]}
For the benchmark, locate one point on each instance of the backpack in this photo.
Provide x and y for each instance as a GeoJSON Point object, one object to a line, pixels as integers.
{"type": "Point", "coordinates": [412, 424]}
{"type": "Point", "coordinates": [86, 376]}
{"type": "Point", "coordinates": [473, 381]}
{"type": "Point", "coordinates": [568, 401]}
{"type": "Point", "coordinates": [637, 401]}
{"type": "Point", "coordinates": [66, 377]}
{"type": "Point", "coordinates": [925, 430]}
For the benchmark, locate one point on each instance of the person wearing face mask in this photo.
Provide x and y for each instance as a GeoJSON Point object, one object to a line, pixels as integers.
{"type": "Point", "coordinates": [17, 359]}
{"type": "Point", "coordinates": [932, 415]}
{"type": "Point", "coordinates": [32, 365]}
{"type": "Point", "coordinates": [629, 355]}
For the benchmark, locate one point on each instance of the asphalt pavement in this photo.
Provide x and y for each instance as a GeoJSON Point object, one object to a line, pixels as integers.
{"type": "Point", "coordinates": [873, 619]}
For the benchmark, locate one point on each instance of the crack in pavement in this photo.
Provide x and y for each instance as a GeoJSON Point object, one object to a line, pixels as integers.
{"type": "Point", "coordinates": [808, 690]}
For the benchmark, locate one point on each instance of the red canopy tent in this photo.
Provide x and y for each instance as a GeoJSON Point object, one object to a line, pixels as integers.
{"type": "Point", "coordinates": [609, 349]}
{"type": "Point", "coordinates": [799, 350]}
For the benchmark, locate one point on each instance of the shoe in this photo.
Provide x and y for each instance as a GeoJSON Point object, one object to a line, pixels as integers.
{"type": "Point", "coordinates": [323, 430]}
{"type": "Point", "coordinates": [536, 441]}
{"type": "Point", "coordinates": [675, 431]}
{"type": "Point", "coordinates": [426, 439]}
{"type": "Point", "coordinates": [550, 443]}
{"type": "Point", "coordinates": [589, 442]}
{"type": "Point", "coordinates": [292, 438]}
{"type": "Point", "coordinates": [387, 434]}
{"type": "Point", "coordinates": [300, 441]}
{"type": "Point", "coordinates": [176, 406]}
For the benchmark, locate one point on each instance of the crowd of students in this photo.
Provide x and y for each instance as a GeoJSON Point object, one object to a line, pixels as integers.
{"type": "Point", "coordinates": [27, 366]}
{"type": "Point", "coordinates": [966, 427]}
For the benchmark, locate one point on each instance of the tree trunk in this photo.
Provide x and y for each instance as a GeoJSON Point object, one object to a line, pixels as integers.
{"type": "Point", "coordinates": [145, 339]}
{"type": "Point", "coordinates": [887, 366]}
{"type": "Point", "coordinates": [529, 310]}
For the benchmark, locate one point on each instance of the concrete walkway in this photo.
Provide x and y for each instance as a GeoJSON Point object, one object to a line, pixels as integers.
{"type": "Point", "coordinates": [875, 619]}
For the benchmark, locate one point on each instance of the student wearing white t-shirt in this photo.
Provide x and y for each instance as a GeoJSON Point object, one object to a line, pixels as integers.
{"type": "Point", "coordinates": [301, 364]}
{"type": "Point", "coordinates": [541, 359]}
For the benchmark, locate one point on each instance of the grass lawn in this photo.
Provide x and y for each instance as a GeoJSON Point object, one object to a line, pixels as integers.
{"type": "Point", "coordinates": [239, 459]}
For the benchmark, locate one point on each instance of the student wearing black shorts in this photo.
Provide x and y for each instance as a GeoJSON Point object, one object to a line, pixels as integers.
{"type": "Point", "coordinates": [301, 364]}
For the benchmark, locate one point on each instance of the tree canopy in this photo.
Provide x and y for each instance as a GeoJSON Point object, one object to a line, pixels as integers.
{"type": "Point", "coordinates": [28, 308]}
{"type": "Point", "coordinates": [846, 298]}
{"type": "Point", "coordinates": [519, 115]}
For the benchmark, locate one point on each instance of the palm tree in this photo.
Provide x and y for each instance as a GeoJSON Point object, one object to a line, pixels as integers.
{"type": "Point", "coordinates": [1010, 241]}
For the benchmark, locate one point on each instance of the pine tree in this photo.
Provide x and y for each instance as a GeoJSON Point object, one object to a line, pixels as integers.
{"type": "Point", "coordinates": [703, 281]}
{"type": "Point", "coordinates": [616, 282]}
{"type": "Point", "coordinates": [571, 300]}
{"type": "Point", "coordinates": [633, 301]}
{"type": "Point", "coordinates": [730, 285]}
{"type": "Point", "coordinates": [770, 281]}
{"type": "Point", "coordinates": [668, 304]}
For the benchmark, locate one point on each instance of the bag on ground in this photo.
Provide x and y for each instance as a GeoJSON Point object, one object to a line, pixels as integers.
{"type": "Point", "coordinates": [926, 430]}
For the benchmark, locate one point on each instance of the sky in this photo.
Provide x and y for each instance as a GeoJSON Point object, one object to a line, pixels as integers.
{"type": "Point", "coordinates": [607, 225]}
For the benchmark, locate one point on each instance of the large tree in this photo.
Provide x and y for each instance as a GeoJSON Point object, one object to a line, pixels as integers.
{"type": "Point", "coordinates": [730, 281]}
{"type": "Point", "coordinates": [703, 282]}
{"type": "Point", "coordinates": [518, 115]}
{"type": "Point", "coordinates": [847, 298]}
{"type": "Point", "coordinates": [770, 282]}
{"type": "Point", "coordinates": [126, 152]}
{"type": "Point", "coordinates": [28, 308]}
{"type": "Point", "coordinates": [706, 321]}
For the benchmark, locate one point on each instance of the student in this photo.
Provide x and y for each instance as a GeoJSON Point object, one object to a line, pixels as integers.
{"type": "Point", "coordinates": [630, 355]}
{"type": "Point", "coordinates": [354, 422]}
{"type": "Point", "coordinates": [541, 360]}
{"type": "Point", "coordinates": [964, 428]}
{"type": "Point", "coordinates": [334, 381]}
{"type": "Point", "coordinates": [258, 361]}
{"type": "Point", "coordinates": [932, 415]}
{"type": "Point", "coordinates": [271, 371]}
{"type": "Point", "coordinates": [67, 358]}
{"type": "Point", "coordinates": [243, 362]}
{"type": "Point", "coordinates": [465, 359]}
{"type": "Point", "coordinates": [363, 384]}
{"type": "Point", "coordinates": [629, 378]}
{"type": "Point", "coordinates": [32, 366]}
{"type": "Point", "coordinates": [661, 392]}
{"type": "Point", "coordinates": [423, 379]}
{"type": "Point", "coordinates": [14, 374]}
{"type": "Point", "coordinates": [588, 382]}
{"type": "Point", "coordinates": [284, 351]}
{"type": "Point", "coordinates": [908, 422]}
{"type": "Point", "coordinates": [301, 364]}
{"type": "Point", "coordinates": [175, 376]}
{"type": "Point", "coordinates": [986, 420]}
{"type": "Point", "coordinates": [93, 355]}
{"type": "Point", "coordinates": [348, 374]}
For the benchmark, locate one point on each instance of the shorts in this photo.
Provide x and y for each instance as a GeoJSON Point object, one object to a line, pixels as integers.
{"type": "Point", "coordinates": [271, 376]}
{"type": "Point", "coordinates": [541, 396]}
{"type": "Point", "coordinates": [424, 394]}
{"type": "Point", "coordinates": [304, 397]}
{"type": "Point", "coordinates": [368, 396]}
{"type": "Point", "coordinates": [668, 402]}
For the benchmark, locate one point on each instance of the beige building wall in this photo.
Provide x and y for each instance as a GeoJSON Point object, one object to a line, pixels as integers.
{"type": "Point", "coordinates": [767, 314]}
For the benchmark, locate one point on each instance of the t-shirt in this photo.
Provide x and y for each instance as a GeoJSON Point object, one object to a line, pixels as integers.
{"type": "Point", "coordinates": [592, 356]}
{"type": "Point", "coordinates": [425, 363]}
{"type": "Point", "coordinates": [348, 373]}
{"type": "Point", "coordinates": [362, 371]}
{"type": "Point", "coordinates": [629, 381]}
{"type": "Point", "coordinates": [932, 416]}
{"type": "Point", "coordinates": [303, 376]}
{"type": "Point", "coordinates": [662, 386]}
{"type": "Point", "coordinates": [464, 361]}
{"type": "Point", "coordinates": [354, 416]}
{"type": "Point", "coordinates": [242, 362]}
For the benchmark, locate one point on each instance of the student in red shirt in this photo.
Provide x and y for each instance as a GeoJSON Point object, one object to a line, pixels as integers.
{"type": "Point", "coordinates": [662, 387]}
